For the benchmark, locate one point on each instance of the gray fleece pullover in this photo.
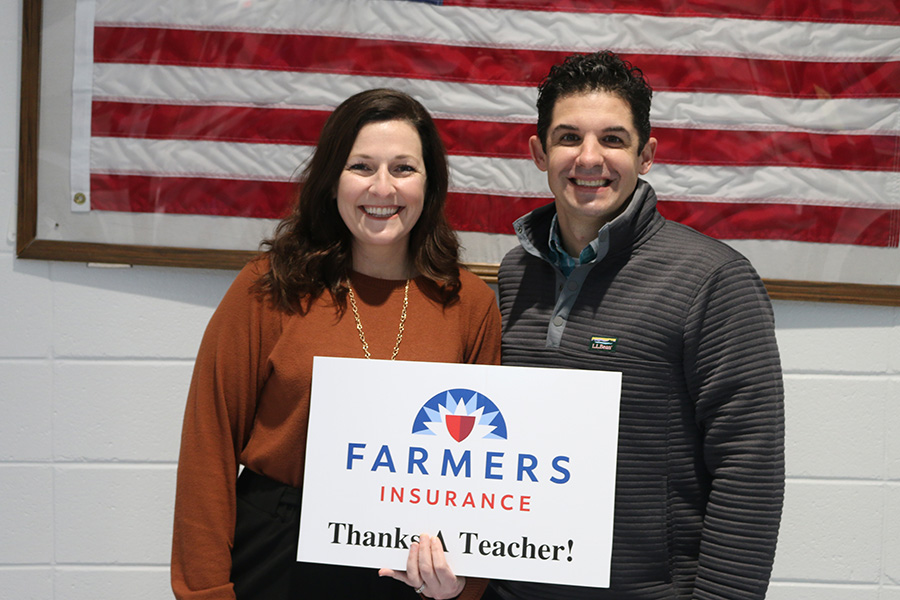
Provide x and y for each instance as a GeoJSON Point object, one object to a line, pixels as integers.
{"type": "Point", "coordinates": [700, 467]}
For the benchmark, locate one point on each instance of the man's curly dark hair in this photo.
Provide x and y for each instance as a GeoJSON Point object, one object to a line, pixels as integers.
{"type": "Point", "coordinates": [600, 71]}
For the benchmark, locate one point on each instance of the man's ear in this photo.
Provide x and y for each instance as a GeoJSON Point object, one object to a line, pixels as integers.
{"type": "Point", "coordinates": [537, 152]}
{"type": "Point", "coordinates": [647, 155]}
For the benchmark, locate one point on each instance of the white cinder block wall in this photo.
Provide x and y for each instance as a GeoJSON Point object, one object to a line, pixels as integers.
{"type": "Point", "coordinates": [95, 363]}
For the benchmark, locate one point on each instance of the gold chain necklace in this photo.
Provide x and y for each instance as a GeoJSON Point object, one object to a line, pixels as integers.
{"type": "Point", "coordinates": [362, 336]}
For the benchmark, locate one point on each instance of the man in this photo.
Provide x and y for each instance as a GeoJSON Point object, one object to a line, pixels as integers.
{"type": "Point", "coordinates": [602, 281]}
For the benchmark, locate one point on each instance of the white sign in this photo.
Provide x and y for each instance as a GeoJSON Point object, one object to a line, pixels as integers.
{"type": "Point", "coordinates": [513, 468]}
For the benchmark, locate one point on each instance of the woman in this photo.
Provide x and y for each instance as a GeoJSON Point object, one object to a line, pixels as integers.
{"type": "Point", "coordinates": [365, 266]}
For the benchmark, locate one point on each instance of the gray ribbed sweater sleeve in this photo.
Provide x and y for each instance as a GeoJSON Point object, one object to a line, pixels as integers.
{"type": "Point", "coordinates": [733, 373]}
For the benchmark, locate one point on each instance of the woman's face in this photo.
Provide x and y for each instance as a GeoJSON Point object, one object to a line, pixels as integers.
{"type": "Point", "coordinates": [381, 190]}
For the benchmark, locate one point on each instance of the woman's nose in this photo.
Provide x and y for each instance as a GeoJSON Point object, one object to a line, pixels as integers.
{"type": "Point", "coordinates": [382, 183]}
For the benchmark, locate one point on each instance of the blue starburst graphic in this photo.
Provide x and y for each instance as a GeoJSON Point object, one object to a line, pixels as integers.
{"type": "Point", "coordinates": [460, 413]}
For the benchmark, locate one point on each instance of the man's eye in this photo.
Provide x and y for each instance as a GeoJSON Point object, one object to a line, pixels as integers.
{"type": "Point", "coordinates": [614, 140]}
{"type": "Point", "coordinates": [568, 138]}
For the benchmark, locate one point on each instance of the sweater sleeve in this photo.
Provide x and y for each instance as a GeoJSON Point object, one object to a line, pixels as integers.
{"type": "Point", "coordinates": [228, 374]}
{"type": "Point", "coordinates": [474, 589]}
{"type": "Point", "coordinates": [733, 371]}
{"type": "Point", "coordinates": [483, 341]}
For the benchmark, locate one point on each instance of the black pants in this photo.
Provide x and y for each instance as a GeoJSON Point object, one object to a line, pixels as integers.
{"type": "Point", "coordinates": [264, 558]}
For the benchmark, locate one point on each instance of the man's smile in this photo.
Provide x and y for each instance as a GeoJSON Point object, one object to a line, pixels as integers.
{"type": "Point", "coordinates": [591, 182]}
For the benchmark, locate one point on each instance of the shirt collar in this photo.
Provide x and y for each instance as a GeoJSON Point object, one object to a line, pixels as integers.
{"type": "Point", "coordinates": [563, 259]}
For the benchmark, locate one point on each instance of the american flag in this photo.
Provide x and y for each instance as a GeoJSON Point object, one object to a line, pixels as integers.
{"type": "Point", "coordinates": [776, 119]}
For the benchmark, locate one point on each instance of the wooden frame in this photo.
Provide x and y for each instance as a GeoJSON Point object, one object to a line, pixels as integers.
{"type": "Point", "coordinates": [29, 246]}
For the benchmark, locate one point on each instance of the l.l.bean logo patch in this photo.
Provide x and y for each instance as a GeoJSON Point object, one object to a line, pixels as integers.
{"type": "Point", "coordinates": [601, 343]}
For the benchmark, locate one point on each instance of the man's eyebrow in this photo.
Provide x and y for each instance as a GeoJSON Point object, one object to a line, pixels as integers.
{"type": "Point", "coordinates": [612, 129]}
{"type": "Point", "coordinates": [563, 127]}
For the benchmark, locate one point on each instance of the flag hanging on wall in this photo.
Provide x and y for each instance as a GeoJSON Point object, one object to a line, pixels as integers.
{"type": "Point", "coordinates": [776, 120]}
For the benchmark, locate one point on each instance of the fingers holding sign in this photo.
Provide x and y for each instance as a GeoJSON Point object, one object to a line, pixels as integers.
{"type": "Point", "coordinates": [427, 570]}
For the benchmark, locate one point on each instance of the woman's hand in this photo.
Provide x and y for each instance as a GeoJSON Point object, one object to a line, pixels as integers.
{"type": "Point", "coordinates": [427, 570]}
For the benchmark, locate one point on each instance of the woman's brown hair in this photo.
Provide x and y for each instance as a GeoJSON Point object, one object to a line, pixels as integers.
{"type": "Point", "coordinates": [309, 252]}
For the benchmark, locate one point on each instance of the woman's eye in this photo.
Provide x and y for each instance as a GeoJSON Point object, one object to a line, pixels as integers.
{"type": "Point", "coordinates": [357, 167]}
{"type": "Point", "coordinates": [405, 169]}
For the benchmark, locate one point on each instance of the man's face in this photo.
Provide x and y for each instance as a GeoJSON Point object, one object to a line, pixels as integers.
{"type": "Point", "coordinates": [592, 161]}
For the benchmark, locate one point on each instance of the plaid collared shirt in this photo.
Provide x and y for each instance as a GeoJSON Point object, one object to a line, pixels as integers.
{"type": "Point", "coordinates": [563, 259]}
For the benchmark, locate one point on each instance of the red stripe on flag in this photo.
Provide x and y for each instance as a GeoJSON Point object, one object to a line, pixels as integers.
{"type": "Point", "coordinates": [792, 222]}
{"type": "Point", "coordinates": [480, 65]}
{"type": "Point", "coordinates": [495, 214]}
{"type": "Point", "coordinates": [486, 138]}
{"type": "Point", "coordinates": [488, 213]}
{"type": "Point", "coordinates": [245, 124]}
{"type": "Point", "coordinates": [507, 140]}
{"type": "Point", "coordinates": [777, 148]}
{"type": "Point", "coordinates": [848, 11]}
{"type": "Point", "coordinates": [191, 196]}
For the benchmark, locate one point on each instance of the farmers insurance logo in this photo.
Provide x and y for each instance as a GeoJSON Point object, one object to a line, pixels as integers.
{"type": "Point", "coordinates": [460, 413]}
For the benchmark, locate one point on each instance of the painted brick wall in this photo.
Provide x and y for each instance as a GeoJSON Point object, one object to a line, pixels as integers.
{"type": "Point", "coordinates": [840, 536]}
{"type": "Point", "coordinates": [95, 363]}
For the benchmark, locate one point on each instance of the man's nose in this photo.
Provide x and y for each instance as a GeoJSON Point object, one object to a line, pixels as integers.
{"type": "Point", "coordinates": [590, 154]}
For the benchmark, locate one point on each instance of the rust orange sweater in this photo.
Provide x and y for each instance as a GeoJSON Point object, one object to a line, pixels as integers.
{"type": "Point", "coordinates": [249, 398]}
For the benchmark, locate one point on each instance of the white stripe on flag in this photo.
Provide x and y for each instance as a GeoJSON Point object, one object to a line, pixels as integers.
{"type": "Point", "coordinates": [500, 103]}
{"type": "Point", "coordinates": [499, 176]}
{"type": "Point", "coordinates": [421, 22]}
{"type": "Point", "coordinates": [777, 185]}
{"type": "Point", "coordinates": [509, 177]}
{"type": "Point", "coordinates": [182, 158]}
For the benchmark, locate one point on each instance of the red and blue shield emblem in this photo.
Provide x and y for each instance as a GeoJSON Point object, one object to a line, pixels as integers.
{"type": "Point", "coordinates": [460, 426]}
